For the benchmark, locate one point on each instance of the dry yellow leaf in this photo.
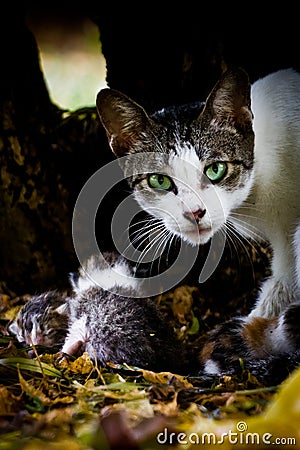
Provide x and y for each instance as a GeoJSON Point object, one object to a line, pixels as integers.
{"type": "Point", "coordinates": [176, 380]}
{"type": "Point", "coordinates": [8, 402]}
{"type": "Point", "coordinates": [82, 365]}
{"type": "Point", "coordinates": [278, 425]}
{"type": "Point", "coordinates": [31, 390]}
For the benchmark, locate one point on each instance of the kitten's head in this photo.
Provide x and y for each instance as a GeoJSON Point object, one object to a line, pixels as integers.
{"type": "Point", "coordinates": [42, 320]}
{"type": "Point", "coordinates": [188, 166]}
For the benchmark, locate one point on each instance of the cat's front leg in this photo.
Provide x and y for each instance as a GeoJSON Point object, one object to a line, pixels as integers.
{"type": "Point", "coordinates": [280, 289]}
{"type": "Point", "coordinates": [275, 295]}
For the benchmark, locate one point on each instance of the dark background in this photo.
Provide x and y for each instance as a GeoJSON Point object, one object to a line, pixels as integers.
{"type": "Point", "coordinates": [159, 54]}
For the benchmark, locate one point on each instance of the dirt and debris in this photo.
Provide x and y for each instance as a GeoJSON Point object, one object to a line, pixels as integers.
{"type": "Point", "coordinates": [49, 402]}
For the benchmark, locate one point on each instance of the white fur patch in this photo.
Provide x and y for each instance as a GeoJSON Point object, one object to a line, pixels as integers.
{"type": "Point", "coordinates": [278, 341]}
{"type": "Point", "coordinates": [186, 170]}
{"type": "Point", "coordinates": [107, 278]}
{"type": "Point", "coordinates": [212, 367]}
{"type": "Point", "coordinates": [76, 333]}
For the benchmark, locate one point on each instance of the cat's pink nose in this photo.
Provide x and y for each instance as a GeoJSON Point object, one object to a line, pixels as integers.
{"type": "Point", "coordinates": [195, 215]}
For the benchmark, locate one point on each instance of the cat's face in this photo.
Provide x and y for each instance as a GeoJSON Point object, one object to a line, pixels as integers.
{"type": "Point", "coordinates": [191, 170]}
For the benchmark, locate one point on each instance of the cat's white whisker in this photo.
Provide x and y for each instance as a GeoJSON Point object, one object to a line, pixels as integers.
{"type": "Point", "coordinates": [150, 222]}
{"type": "Point", "coordinates": [244, 228]}
{"type": "Point", "coordinates": [151, 245]}
{"type": "Point", "coordinates": [248, 217]}
{"type": "Point", "coordinates": [241, 236]}
{"type": "Point", "coordinates": [172, 237]}
{"type": "Point", "coordinates": [150, 226]}
{"type": "Point", "coordinates": [165, 238]}
{"type": "Point", "coordinates": [235, 238]}
{"type": "Point", "coordinates": [157, 252]}
{"type": "Point", "coordinates": [144, 235]}
{"type": "Point", "coordinates": [141, 235]}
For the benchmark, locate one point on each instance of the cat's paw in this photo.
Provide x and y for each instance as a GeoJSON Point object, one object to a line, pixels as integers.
{"type": "Point", "coordinates": [73, 348]}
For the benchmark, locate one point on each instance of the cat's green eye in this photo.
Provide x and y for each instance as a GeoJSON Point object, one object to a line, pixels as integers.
{"type": "Point", "coordinates": [159, 181]}
{"type": "Point", "coordinates": [216, 171]}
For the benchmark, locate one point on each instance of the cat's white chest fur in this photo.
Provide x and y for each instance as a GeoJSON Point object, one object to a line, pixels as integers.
{"type": "Point", "coordinates": [273, 206]}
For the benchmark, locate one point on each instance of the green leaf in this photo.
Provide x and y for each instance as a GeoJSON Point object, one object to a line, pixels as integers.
{"type": "Point", "coordinates": [33, 403]}
{"type": "Point", "coordinates": [30, 366]}
{"type": "Point", "coordinates": [194, 328]}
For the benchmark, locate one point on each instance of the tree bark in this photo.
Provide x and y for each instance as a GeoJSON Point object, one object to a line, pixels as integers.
{"type": "Point", "coordinates": [47, 154]}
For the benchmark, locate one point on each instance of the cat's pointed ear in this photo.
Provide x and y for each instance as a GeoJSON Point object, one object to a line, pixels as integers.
{"type": "Point", "coordinates": [126, 123]}
{"type": "Point", "coordinates": [229, 101]}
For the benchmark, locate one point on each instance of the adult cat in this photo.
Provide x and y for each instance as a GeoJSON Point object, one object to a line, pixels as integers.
{"type": "Point", "coordinates": [243, 144]}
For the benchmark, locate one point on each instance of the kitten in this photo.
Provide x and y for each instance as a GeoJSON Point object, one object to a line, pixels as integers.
{"type": "Point", "coordinates": [113, 326]}
{"type": "Point", "coordinates": [231, 164]}
{"type": "Point", "coordinates": [43, 320]}
{"type": "Point", "coordinates": [101, 317]}
{"type": "Point", "coordinates": [269, 348]}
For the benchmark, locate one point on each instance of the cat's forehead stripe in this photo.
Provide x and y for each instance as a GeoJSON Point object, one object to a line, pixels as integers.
{"type": "Point", "coordinates": [186, 152]}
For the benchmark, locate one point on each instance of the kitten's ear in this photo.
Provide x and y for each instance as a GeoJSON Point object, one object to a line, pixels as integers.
{"type": "Point", "coordinates": [13, 327]}
{"type": "Point", "coordinates": [126, 123]}
{"type": "Point", "coordinates": [62, 309]}
{"type": "Point", "coordinates": [229, 101]}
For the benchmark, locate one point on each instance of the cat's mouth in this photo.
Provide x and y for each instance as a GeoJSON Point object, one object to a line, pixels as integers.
{"type": "Point", "coordinates": [198, 235]}
{"type": "Point", "coordinates": [204, 234]}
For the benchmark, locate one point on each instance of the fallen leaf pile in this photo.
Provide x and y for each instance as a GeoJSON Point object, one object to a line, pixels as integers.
{"type": "Point", "coordinates": [50, 402]}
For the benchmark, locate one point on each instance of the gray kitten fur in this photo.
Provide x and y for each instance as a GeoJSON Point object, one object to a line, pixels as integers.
{"type": "Point", "coordinates": [119, 329]}
{"type": "Point", "coordinates": [114, 327]}
{"type": "Point", "coordinates": [110, 325]}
